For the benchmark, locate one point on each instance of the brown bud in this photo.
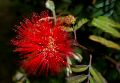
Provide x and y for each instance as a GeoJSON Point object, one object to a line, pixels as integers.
{"type": "Point", "coordinates": [70, 19]}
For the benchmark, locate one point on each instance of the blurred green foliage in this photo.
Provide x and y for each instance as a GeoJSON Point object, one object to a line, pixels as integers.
{"type": "Point", "coordinates": [14, 11]}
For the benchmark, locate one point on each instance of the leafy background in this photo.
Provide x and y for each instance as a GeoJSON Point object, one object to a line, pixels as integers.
{"type": "Point", "coordinates": [14, 11]}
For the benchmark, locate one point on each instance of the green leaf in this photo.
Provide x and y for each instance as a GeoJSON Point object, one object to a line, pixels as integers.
{"type": "Point", "coordinates": [27, 81]}
{"type": "Point", "coordinates": [105, 26]}
{"type": "Point", "coordinates": [77, 26]}
{"type": "Point", "coordinates": [96, 76]}
{"type": "Point", "coordinates": [76, 79]}
{"type": "Point", "coordinates": [101, 77]}
{"type": "Point", "coordinates": [79, 68]}
{"type": "Point", "coordinates": [80, 23]}
{"type": "Point", "coordinates": [109, 22]}
{"type": "Point", "coordinates": [92, 80]}
{"type": "Point", "coordinates": [105, 42]}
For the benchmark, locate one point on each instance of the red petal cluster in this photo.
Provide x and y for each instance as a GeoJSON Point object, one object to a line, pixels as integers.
{"type": "Point", "coordinates": [43, 45]}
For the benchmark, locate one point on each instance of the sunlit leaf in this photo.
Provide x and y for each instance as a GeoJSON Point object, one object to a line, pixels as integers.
{"type": "Point", "coordinates": [96, 76]}
{"type": "Point", "coordinates": [76, 79]}
{"type": "Point", "coordinates": [109, 22]}
{"type": "Point", "coordinates": [79, 68]}
{"type": "Point", "coordinates": [101, 77]}
{"type": "Point", "coordinates": [105, 42]}
{"type": "Point", "coordinates": [92, 80]}
{"type": "Point", "coordinates": [27, 81]}
{"type": "Point", "coordinates": [80, 23]}
{"type": "Point", "coordinates": [106, 27]}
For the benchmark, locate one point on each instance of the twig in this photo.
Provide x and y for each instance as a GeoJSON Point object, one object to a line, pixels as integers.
{"type": "Point", "coordinates": [117, 64]}
{"type": "Point", "coordinates": [81, 46]}
{"type": "Point", "coordinates": [76, 42]}
{"type": "Point", "coordinates": [90, 62]}
{"type": "Point", "coordinates": [112, 60]}
{"type": "Point", "coordinates": [75, 37]}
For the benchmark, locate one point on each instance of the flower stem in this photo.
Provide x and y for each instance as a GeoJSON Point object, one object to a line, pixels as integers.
{"type": "Point", "coordinates": [46, 18]}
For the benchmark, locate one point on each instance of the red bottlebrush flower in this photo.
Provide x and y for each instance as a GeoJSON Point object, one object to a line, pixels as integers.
{"type": "Point", "coordinates": [43, 46]}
